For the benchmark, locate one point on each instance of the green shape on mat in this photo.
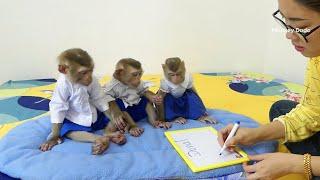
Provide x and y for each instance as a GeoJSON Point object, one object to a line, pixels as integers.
{"type": "Point", "coordinates": [297, 88]}
{"type": "Point", "coordinates": [274, 90]}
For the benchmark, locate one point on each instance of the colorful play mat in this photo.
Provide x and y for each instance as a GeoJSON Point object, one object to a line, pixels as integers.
{"type": "Point", "coordinates": [234, 92]}
{"type": "Point", "coordinates": [247, 93]}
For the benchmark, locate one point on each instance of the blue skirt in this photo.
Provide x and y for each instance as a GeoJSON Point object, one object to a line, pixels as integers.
{"type": "Point", "coordinates": [137, 112]}
{"type": "Point", "coordinates": [68, 126]}
{"type": "Point", "coordinates": [188, 106]}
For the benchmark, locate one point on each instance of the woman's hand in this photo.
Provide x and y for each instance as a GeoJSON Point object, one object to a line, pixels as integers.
{"type": "Point", "coordinates": [273, 165]}
{"type": "Point", "coordinates": [243, 136]}
{"type": "Point", "coordinates": [249, 136]}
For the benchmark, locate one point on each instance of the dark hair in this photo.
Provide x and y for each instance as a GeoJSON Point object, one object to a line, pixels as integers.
{"type": "Point", "coordinates": [76, 55]}
{"type": "Point", "coordinates": [311, 4]}
{"type": "Point", "coordinates": [129, 62]}
{"type": "Point", "coordinates": [173, 63]}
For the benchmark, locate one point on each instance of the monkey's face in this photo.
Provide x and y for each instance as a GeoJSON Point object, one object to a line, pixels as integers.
{"type": "Point", "coordinates": [174, 71]}
{"type": "Point", "coordinates": [132, 76]}
{"type": "Point", "coordinates": [85, 77]}
{"type": "Point", "coordinates": [81, 75]}
{"type": "Point", "coordinates": [175, 77]}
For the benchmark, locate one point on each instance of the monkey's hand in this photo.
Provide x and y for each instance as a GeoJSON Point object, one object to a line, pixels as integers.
{"type": "Point", "coordinates": [136, 131]}
{"type": "Point", "coordinates": [153, 98]}
{"type": "Point", "coordinates": [180, 120]}
{"type": "Point", "coordinates": [48, 145]}
{"type": "Point", "coordinates": [207, 119]}
{"type": "Point", "coordinates": [117, 116]}
{"type": "Point", "coordinates": [118, 119]}
{"type": "Point", "coordinates": [162, 124]}
{"type": "Point", "coordinates": [157, 99]}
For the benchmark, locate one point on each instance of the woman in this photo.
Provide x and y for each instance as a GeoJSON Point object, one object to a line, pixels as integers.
{"type": "Point", "coordinates": [297, 124]}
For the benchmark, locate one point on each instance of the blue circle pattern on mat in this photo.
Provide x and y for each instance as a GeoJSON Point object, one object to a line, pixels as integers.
{"type": "Point", "coordinates": [239, 87]}
{"type": "Point", "coordinates": [253, 86]}
{"type": "Point", "coordinates": [19, 108]}
{"type": "Point", "coordinates": [258, 88]}
{"type": "Point", "coordinates": [36, 103]}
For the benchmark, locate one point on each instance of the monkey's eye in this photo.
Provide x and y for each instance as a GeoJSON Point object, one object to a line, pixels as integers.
{"type": "Point", "coordinates": [83, 73]}
{"type": "Point", "coordinates": [174, 74]}
{"type": "Point", "coordinates": [137, 74]}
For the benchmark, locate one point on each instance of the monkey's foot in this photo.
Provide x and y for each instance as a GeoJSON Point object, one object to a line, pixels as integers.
{"type": "Point", "coordinates": [100, 145]}
{"type": "Point", "coordinates": [136, 131]}
{"type": "Point", "coordinates": [118, 138]}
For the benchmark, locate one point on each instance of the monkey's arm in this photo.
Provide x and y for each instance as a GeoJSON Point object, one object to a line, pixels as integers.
{"type": "Point", "coordinates": [149, 95]}
{"type": "Point", "coordinates": [97, 97]}
{"type": "Point", "coordinates": [132, 127]}
{"type": "Point", "coordinates": [59, 105]}
{"type": "Point", "coordinates": [156, 99]}
{"type": "Point", "coordinates": [130, 121]}
{"type": "Point", "coordinates": [152, 118]}
{"type": "Point", "coordinates": [55, 131]}
{"type": "Point", "coordinates": [53, 139]}
{"type": "Point", "coordinates": [160, 107]}
{"type": "Point", "coordinates": [115, 114]}
{"type": "Point", "coordinates": [113, 108]}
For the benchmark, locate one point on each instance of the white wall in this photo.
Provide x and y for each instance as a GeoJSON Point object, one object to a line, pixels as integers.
{"type": "Point", "coordinates": [210, 35]}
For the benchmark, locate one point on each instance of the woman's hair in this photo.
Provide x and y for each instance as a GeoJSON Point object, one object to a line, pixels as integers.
{"type": "Point", "coordinates": [311, 4]}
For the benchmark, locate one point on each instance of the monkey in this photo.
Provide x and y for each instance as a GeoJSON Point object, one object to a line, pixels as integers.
{"type": "Point", "coordinates": [78, 105]}
{"type": "Point", "coordinates": [129, 98]}
{"type": "Point", "coordinates": [180, 98]}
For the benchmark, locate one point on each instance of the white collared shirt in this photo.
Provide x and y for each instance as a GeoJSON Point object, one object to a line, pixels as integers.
{"type": "Point", "coordinates": [176, 90]}
{"type": "Point", "coordinates": [77, 102]}
{"type": "Point", "coordinates": [130, 96]}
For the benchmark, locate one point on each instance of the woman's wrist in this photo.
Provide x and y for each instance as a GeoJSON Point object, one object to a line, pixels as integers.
{"type": "Point", "coordinates": [272, 131]}
{"type": "Point", "coordinates": [257, 135]}
{"type": "Point", "coordinates": [296, 164]}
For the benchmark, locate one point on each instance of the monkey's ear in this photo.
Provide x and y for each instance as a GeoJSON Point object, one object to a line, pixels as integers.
{"type": "Point", "coordinates": [163, 66]}
{"type": "Point", "coordinates": [62, 69]}
{"type": "Point", "coordinates": [117, 73]}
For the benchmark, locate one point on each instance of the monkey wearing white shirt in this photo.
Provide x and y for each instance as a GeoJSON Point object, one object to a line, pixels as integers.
{"type": "Point", "coordinates": [130, 99]}
{"type": "Point", "coordinates": [78, 106]}
{"type": "Point", "coordinates": [180, 98]}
